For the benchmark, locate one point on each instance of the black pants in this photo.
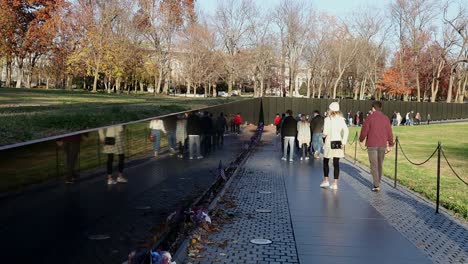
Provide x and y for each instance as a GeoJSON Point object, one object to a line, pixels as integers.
{"type": "Point", "coordinates": [72, 150]}
{"type": "Point", "coordinates": [305, 150]}
{"type": "Point", "coordinates": [110, 161]}
{"type": "Point", "coordinates": [336, 167]}
{"type": "Point", "coordinates": [219, 138]}
{"type": "Point", "coordinates": [237, 128]}
{"type": "Point", "coordinates": [206, 144]}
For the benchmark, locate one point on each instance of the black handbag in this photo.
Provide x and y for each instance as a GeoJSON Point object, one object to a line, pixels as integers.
{"type": "Point", "coordinates": [109, 141]}
{"type": "Point", "coordinates": [336, 144]}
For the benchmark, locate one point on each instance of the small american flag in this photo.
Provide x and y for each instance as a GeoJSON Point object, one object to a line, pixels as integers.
{"type": "Point", "coordinates": [221, 171]}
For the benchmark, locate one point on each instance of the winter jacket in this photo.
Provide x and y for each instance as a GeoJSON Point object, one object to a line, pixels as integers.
{"type": "Point", "coordinates": [220, 124]}
{"type": "Point", "coordinates": [316, 124]}
{"type": "Point", "coordinates": [303, 133]}
{"type": "Point", "coordinates": [277, 120]}
{"type": "Point", "coordinates": [238, 120]}
{"type": "Point", "coordinates": [289, 127]}
{"type": "Point", "coordinates": [193, 125]}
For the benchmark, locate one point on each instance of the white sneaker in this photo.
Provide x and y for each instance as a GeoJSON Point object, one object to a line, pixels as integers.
{"type": "Point", "coordinates": [156, 154]}
{"type": "Point", "coordinates": [283, 158]}
{"type": "Point", "coordinates": [111, 182]}
{"type": "Point", "coordinates": [302, 158]}
{"type": "Point", "coordinates": [306, 158]}
{"type": "Point", "coordinates": [291, 160]}
{"type": "Point", "coordinates": [191, 158]}
{"type": "Point", "coordinates": [200, 157]}
{"type": "Point", "coordinates": [121, 179]}
{"type": "Point", "coordinates": [324, 185]}
{"type": "Point", "coordinates": [334, 186]}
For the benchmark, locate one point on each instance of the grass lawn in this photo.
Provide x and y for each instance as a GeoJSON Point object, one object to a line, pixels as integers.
{"type": "Point", "coordinates": [27, 114]}
{"type": "Point", "coordinates": [418, 142]}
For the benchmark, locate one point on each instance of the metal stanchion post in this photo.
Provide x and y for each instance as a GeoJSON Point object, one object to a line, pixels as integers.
{"type": "Point", "coordinates": [396, 162]}
{"type": "Point", "coordinates": [438, 176]}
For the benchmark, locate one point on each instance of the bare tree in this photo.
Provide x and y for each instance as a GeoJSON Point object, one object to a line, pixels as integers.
{"type": "Point", "coordinates": [233, 24]}
{"type": "Point", "coordinates": [293, 19]}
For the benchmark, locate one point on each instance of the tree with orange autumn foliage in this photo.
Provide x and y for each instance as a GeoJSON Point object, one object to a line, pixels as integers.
{"type": "Point", "coordinates": [393, 83]}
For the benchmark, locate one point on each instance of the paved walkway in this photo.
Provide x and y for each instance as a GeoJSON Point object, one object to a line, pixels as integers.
{"type": "Point", "coordinates": [53, 225]}
{"type": "Point", "coordinates": [308, 224]}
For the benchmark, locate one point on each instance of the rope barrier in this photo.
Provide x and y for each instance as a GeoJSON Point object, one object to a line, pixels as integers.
{"type": "Point", "coordinates": [450, 166]}
{"type": "Point", "coordinates": [354, 139]}
{"type": "Point", "coordinates": [414, 163]}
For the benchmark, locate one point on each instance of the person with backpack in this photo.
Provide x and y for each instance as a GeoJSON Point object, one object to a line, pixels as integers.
{"type": "Point", "coordinates": [194, 131]}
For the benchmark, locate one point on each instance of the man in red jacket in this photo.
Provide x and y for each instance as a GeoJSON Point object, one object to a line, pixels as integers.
{"type": "Point", "coordinates": [379, 139]}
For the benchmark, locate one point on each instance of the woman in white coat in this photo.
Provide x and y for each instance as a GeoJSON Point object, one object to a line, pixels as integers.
{"type": "Point", "coordinates": [334, 131]}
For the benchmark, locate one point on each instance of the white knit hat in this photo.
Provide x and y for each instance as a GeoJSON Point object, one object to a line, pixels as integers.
{"type": "Point", "coordinates": [335, 107]}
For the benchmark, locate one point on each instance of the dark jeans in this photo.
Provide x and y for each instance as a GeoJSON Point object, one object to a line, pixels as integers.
{"type": "Point", "coordinates": [72, 150]}
{"type": "Point", "coordinates": [206, 143]}
{"type": "Point", "coordinates": [336, 167]}
{"type": "Point", "coordinates": [110, 161]}
{"type": "Point", "coordinates": [305, 150]}
{"type": "Point", "coordinates": [237, 128]}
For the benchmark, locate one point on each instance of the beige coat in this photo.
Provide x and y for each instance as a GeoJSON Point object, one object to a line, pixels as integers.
{"type": "Point", "coordinates": [303, 133]}
{"type": "Point", "coordinates": [334, 129]}
{"type": "Point", "coordinates": [117, 132]}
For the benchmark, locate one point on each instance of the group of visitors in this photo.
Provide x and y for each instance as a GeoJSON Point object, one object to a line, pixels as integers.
{"type": "Point", "coordinates": [409, 120]}
{"type": "Point", "coordinates": [197, 132]}
{"type": "Point", "coordinates": [331, 134]}
{"type": "Point", "coordinates": [304, 132]}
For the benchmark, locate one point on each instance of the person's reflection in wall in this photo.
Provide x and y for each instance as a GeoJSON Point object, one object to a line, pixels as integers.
{"type": "Point", "coordinates": [71, 147]}
{"type": "Point", "coordinates": [170, 124]}
{"type": "Point", "coordinates": [113, 139]}
{"type": "Point", "coordinates": [156, 129]}
{"type": "Point", "coordinates": [181, 133]}
{"type": "Point", "coordinates": [194, 131]}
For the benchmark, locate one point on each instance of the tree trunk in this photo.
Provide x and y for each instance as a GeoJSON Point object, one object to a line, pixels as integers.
{"type": "Point", "coordinates": [320, 89]}
{"type": "Point", "coordinates": [142, 86]}
{"type": "Point", "coordinates": [47, 83]}
{"type": "Point", "coordinates": [155, 85]}
{"type": "Point", "coordinates": [158, 87]}
{"type": "Point", "coordinates": [8, 73]}
{"type": "Point", "coordinates": [96, 76]}
{"type": "Point", "coordinates": [449, 91]}
{"type": "Point", "coordinates": [262, 86]}
{"type": "Point", "coordinates": [230, 83]}
{"type": "Point", "coordinates": [117, 85]}
{"type": "Point", "coordinates": [418, 86]}
{"type": "Point", "coordinates": [337, 82]}
{"type": "Point", "coordinates": [255, 87]}
{"type": "Point", "coordinates": [189, 86]}
{"type": "Point", "coordinates": [215, 92]}
{"type": "Point", "coordinates": [308, 87]}
{"type": "Point", "coordinates": [166, 85]}
{"type": "Point", "coordinates": [28, 79]}
{"type": "Point", "coordinates": [463, 91]}
{"type": "Point", "coordinates": [19, 76]}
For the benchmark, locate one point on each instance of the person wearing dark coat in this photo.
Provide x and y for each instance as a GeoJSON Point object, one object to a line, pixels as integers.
{"type": "Point", "coordinates": [220, 127]}
{"type": "Point", "coordinates": [316, 127]}
{"type": "Point", "coordinates": [194, 131]}
{"type": "Point", "coordinates": [207, 129]}
{"type": "Point", "coordinates": [288, 132]}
